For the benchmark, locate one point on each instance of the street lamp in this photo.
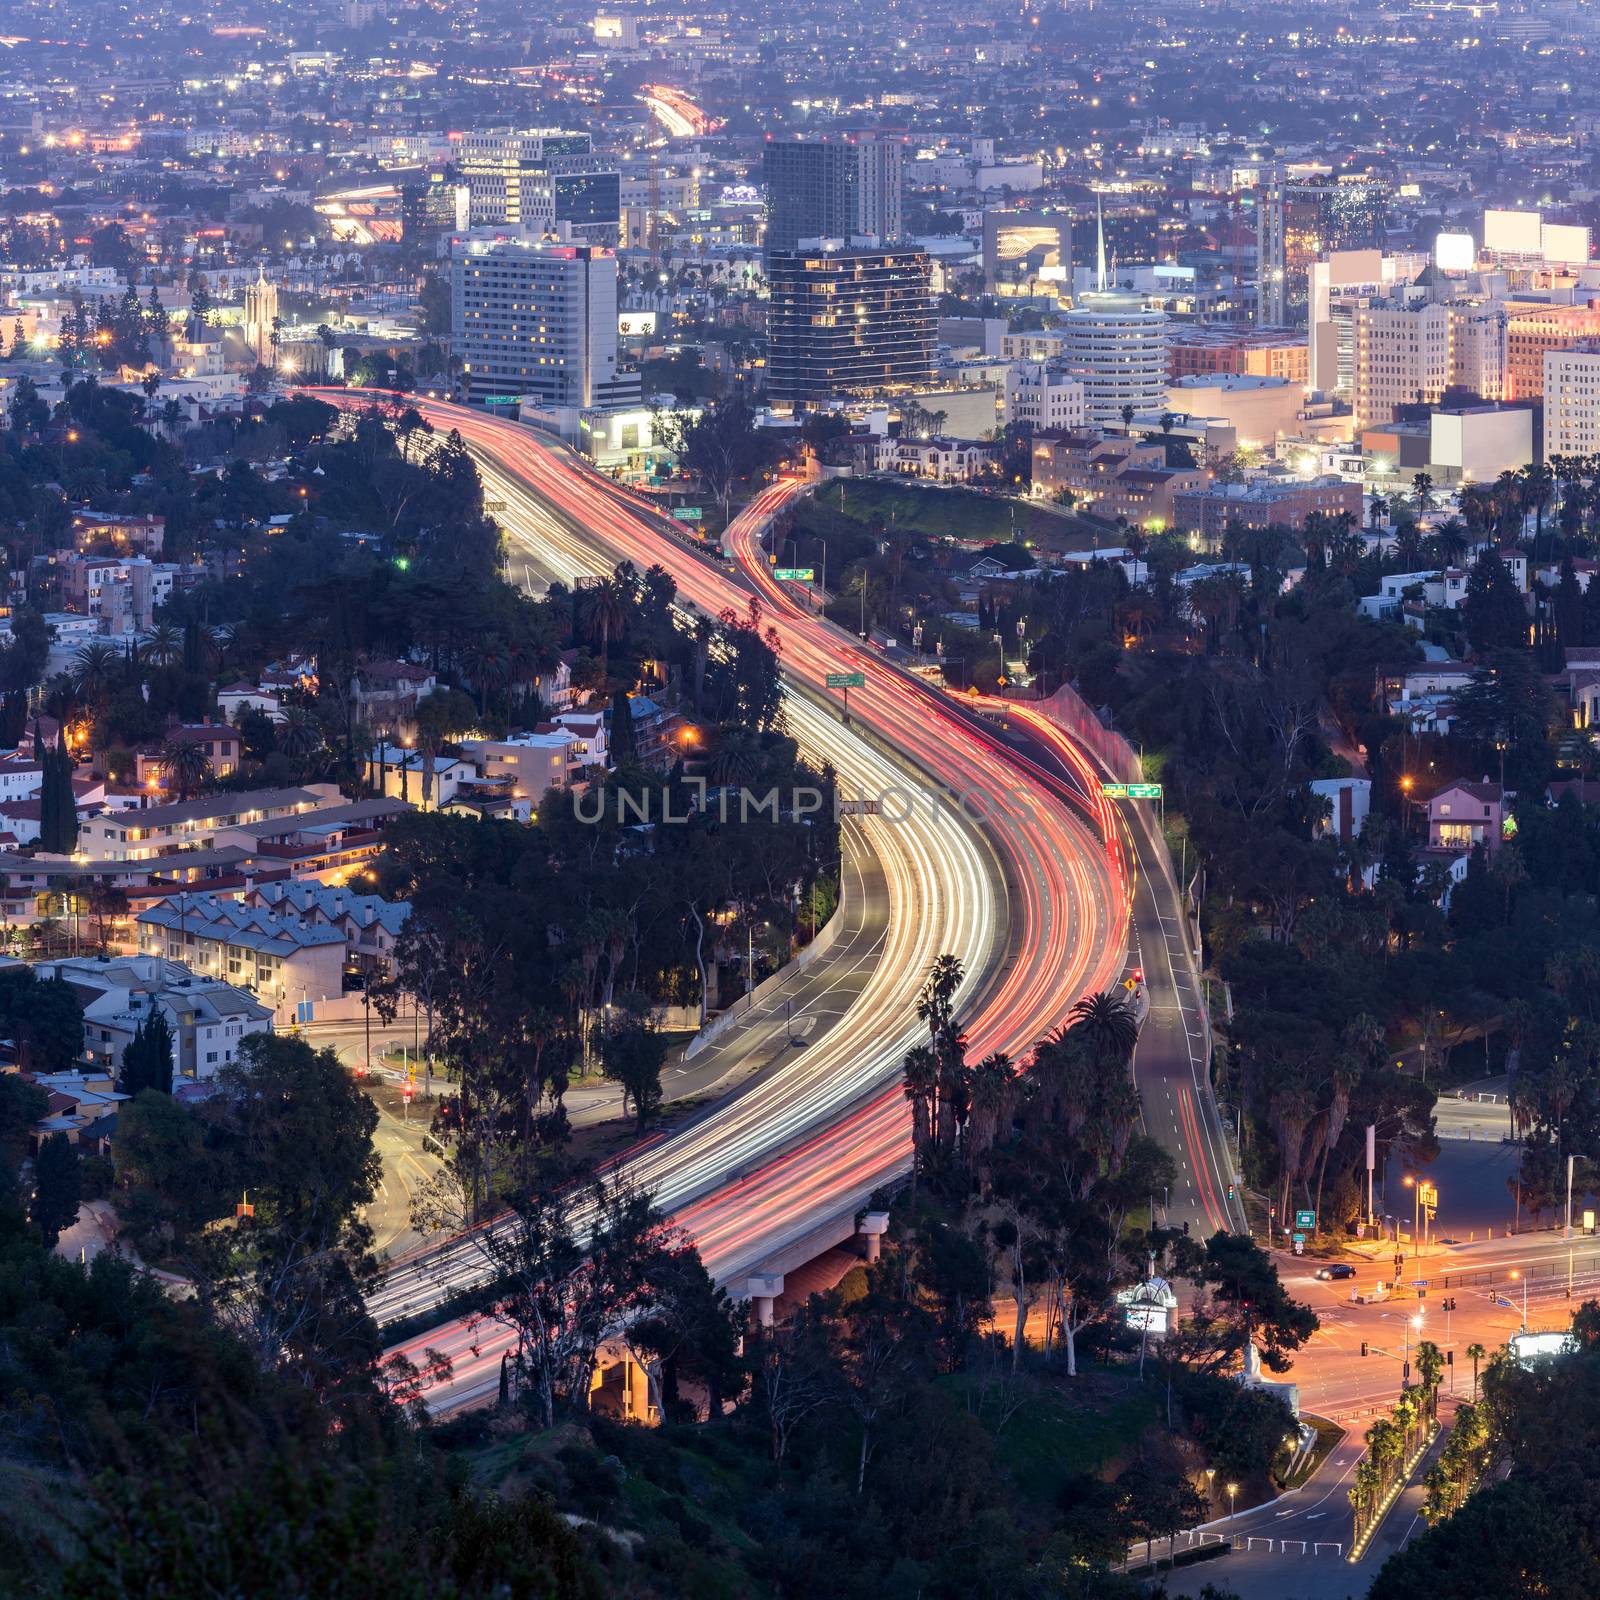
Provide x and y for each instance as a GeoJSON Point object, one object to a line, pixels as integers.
{"type": "Point", "coordinates": [1233, 1496]}
{"type": "Point", "coordinates": [1416, 1209]}
{"type": "Point", "coordinates": [1515, 1274]}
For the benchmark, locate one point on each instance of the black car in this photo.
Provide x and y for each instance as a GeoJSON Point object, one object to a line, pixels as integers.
{"type": "Point", "coordinates": [1336, 1269]}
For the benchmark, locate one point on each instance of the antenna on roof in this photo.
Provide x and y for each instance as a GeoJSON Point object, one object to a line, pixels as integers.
{"type": "Point", "coordinates": [1100, 234]}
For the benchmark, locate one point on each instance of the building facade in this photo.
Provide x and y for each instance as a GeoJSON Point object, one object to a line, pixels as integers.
{"type": "Point", "coordinates": [1118, 350]}
{"type": "Point", "coordinates": [539, 179]}
{"type": "Point", "coordinates": [538, 322]}
{"type": "Point", "coordinates": [833, 189]}
{"type": "Point", "coordinates": [848, 321]}
{"type": "Point", "coordinates": [1572, 402]}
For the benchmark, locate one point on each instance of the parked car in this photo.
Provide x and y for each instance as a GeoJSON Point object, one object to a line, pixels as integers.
{"type": "Point", "coordinates": [1336, 1269]}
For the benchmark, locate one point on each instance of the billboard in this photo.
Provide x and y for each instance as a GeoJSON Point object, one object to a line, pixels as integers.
{"type": "Point", "coordinates": [632, 324]}
{"type": "Point", "coordinates": [1561, 243]}
{"type": "Point", "coordinates": [1512, 233]}
{"type": "Point", "coordinates": [1454, 252]}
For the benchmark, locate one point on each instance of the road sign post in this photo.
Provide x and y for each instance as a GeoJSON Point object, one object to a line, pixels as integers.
{"type": "Point", "coordinates": [795, 574]}
{"type": "Point", "coordinates": [846, 681]}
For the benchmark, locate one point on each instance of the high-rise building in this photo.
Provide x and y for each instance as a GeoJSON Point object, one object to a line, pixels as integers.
{"type": "Point", "coordinates": [1532, 331]}
{"type": "Point", "coordinates": [833, 189]}
{"type": "Point", "coordinates": [1572, 401]}
{"type": "Point", "coordinates": [848, 321]}
{"type": "Point", "coordinates": [1298, 222]}
{"type": "Point", "coordinates": [1118, 349]}
{"type": "Point", "coordinates": [538, 321]}
{"type": "Point", "coordinates": [1410, 356]}
{"type": "Point", "coordinates": [538, 179]}
{"type": "Point", "coordinates": [433, 208]}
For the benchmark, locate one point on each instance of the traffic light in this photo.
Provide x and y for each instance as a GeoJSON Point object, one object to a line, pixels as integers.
{"type": "Point", "coordinates": [1449, 1358]}
{"type": "Point", "coordinates": [1363, 1347]}
{"type": "Point", "coordinates": [1230, 1191]}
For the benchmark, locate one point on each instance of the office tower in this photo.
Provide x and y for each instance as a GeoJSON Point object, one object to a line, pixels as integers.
{"type": "Point", "coordinates": [1535, 329]}
{"type": "Point", "coordinates": [848, 321]}
{"type": "Point", "coordinates": [1298, 222]}
{"type": "Point", "coordinates": [1572, 401]}
{"type": "Point", "coordinates": [1410, 356]}
{"type": "Point", "coordinates": [538, 321]}
{"type": "Point", "coordinates": [539, 179]}
{"type": "Point", "coordinates": [432, 209]}
{"type": "Point", "coordinates": [833, 189]}
{"type": "Point", "coordinates": [880, 180]}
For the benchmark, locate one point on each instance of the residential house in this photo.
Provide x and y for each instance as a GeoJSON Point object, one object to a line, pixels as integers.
{"type": "Point", "coordinates": [1464, 815]}
{"type": "Point", "coordinates": [221, 745]}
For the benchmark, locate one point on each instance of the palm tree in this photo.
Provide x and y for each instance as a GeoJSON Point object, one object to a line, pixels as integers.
{"type": "Point", "coordinates": [921, 1071]}
{"type": "Point", "coordinates": [165, 644]}
{"type": "Point", "coordinates": [1108, 1023]}
{"type": "Point", "coordinates": [94, 669]}
{"type": "Point", "coordinates": [186, 766]}
{"type": "Point", "coordinates": [1451, 540]}
{"type": "Point", "coordinates": [299, 734]}
{"type": "Point", "coordinates": [993, 1081]}
{"type": "Point", "coordinates": [605, 613]}
{"type": "Point", "coordinates": [735, 761]}
{"type": "Point", "coordinates": [933, 1004]}
{"type": "Point", "coordinates": [1475, 1354]}
{"type": "Point", "coordinates": [486, 667]}
{"type": "Point", "coordinates": [1377, 510]}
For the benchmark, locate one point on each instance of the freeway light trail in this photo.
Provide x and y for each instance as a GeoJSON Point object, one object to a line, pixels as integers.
{"type": "Point", "coordinates": [1032, 899]}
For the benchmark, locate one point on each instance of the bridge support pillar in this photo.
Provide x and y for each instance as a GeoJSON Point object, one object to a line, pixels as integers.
{"type": "Point", "coordinates": [872, 1229]}
{"type": "Point", "coordinates": [763, 1289]}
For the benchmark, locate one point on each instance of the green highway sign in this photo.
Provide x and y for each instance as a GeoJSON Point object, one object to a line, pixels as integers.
{"type": "Point", "coordinates": [846, 680]}
{"type": "Point", "coordinates": [501, 399]}
{"type": "Point", "coordinates": [795, 574]}
{"type": "Point", "coordinates": [687, 513]}
{"type": "Point", "coordinates": [1305, 1219]}
{"type": "Point", "coordinates": [1114, 791]}
{"type": "Point", "coordinates": [1144, 791]}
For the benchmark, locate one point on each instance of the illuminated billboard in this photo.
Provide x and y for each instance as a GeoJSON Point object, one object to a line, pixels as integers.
{"type": "Point", "coordinates": [1454, 252]}
{"type": "Point", "coordinates": [1561, 243]}
{"type": "Point", "coordinates": [1512, 233]}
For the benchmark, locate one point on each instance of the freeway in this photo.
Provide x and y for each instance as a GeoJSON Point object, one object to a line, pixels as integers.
{"type": "Point", "coordinates": [1171, 1061]}
{"type": "Point", "coordinates": [1029, 896]}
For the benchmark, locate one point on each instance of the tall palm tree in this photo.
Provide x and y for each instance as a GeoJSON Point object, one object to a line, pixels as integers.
{"type": "Point", "coordinates": [299, 734]}
{"type": "Point", "coordinates": [1475, 1354]}
{"type": "Point", "coordinates": [186, 767]}
{"type": "Point", "coordinates": [605, 613]}
{"type": "Point", "coordinates": [1109, 1024]}
{"type": "Point", "coordinates": [165, 644]}
{"type": "Point", "coordinates": [94, 669]}
{"type": "Point", "coordinates": [921, 1085]}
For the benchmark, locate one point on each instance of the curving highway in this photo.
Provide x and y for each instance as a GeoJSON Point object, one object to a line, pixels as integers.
{"type": "Point", "coordinates": [1026, 886]}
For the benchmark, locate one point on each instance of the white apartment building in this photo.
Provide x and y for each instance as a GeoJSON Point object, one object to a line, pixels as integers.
{"type": "Point", "coordinates": [1047, 398]}
{"type": "Point", "coordinates": [539, 322]}
{"type": "Point", "coordinates": [1405, 356]}
{"type": "Point", "coordinates": [1572, 402]}
{"type": "Point", "coordinates": [209, 1019]}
